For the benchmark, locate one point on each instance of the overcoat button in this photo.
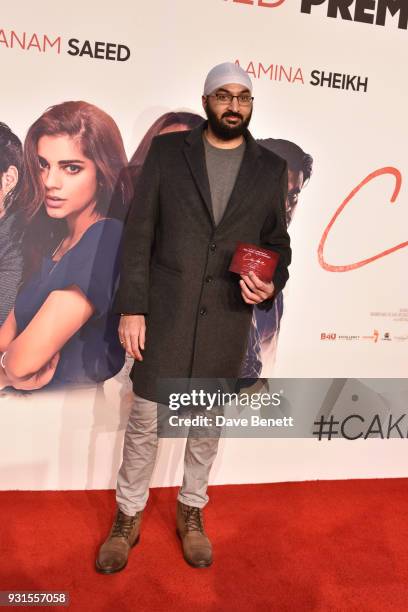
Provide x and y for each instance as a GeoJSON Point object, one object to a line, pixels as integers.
{"type": "Point", "coordinates": [203, 311]}
{"type": "Point", "coordinates": [213, 246]}
{"type": "Point", "coordinates": [209, 279]}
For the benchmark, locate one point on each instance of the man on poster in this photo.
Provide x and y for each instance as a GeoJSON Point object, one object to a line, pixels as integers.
{"type": "Point", "coordinates": [184, 314]}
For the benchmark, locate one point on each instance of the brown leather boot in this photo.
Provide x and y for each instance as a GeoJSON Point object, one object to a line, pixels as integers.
{"type": "Point", "coordinates": [114, 552]}
{"type": "Point", "coordinates": [197, 550]}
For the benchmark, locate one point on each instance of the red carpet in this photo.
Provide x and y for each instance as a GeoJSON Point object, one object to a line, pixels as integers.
{"type": "Point", "coordinates": [314, 546]}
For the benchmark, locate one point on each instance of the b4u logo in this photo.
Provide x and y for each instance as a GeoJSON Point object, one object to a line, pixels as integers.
{"type": "Point", "coordinates": [264, 3]}
{"type": "Point", "coordinates": [324, 336]}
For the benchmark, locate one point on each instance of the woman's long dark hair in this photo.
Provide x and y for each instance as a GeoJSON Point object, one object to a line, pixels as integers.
{"type": "Point", "coordinates": [11, 154]}
{"type": "Point", "coordinates": [190, 120]}
{"type": "Point", "coordinates": [101, 142]}
{"type": "Point", "coordinates": [172, 118]}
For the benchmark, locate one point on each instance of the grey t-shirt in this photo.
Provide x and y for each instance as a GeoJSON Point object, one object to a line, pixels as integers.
{"type": "Point", "coordinates": [222, 169]}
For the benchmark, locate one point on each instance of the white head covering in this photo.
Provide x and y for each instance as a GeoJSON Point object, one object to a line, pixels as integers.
{"type": "Point", "coordinates": [222, 74]}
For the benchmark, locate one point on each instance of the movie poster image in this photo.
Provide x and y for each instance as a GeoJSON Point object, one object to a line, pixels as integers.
{"type": "Point", "coordinates": [65, 195]}
{"type": "Point", "coordinates": [82, 99]}
{"type": "Point", "coordinates": [66, 210]}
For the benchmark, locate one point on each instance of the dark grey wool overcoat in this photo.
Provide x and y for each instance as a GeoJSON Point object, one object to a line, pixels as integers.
{"type": "Point", "coordinates": [175, 260]}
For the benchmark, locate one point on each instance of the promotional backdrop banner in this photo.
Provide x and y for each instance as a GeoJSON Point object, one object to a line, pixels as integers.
{"type": "Point", "coordinates": [84, 91]}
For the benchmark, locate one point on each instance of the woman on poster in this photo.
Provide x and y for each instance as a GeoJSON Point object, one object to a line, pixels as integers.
{"type": "Point", "coordinates": [61, 330]}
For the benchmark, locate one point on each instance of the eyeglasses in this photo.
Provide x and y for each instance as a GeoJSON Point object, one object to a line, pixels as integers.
{"type": "Point", "coordinates": [227, 98]}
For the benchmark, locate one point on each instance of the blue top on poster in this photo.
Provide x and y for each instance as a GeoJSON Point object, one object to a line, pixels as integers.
{"type": "Point", "coordinates": [94, 353]}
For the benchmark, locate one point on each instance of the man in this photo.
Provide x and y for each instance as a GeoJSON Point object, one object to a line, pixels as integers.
{"type": "Point", "coordinates": [262, 343]}
{"type": "Point", "coordinates": [11, 259]}
{"type": "Point", "coordinates": [300, 169]}
{"type": "Point", "coordinates": [184, 315]}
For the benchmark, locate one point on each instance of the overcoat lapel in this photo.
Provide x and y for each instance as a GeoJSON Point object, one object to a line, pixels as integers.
{"type": "Point", "coordinates": [195, 155]}
{"type": "Point", "coordinates": [246, 179]}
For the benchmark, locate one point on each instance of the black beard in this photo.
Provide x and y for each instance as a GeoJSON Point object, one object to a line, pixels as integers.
{"type": "Point", "coordinates": [223, 131]}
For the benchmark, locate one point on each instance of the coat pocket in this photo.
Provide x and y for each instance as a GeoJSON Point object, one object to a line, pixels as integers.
{"type": "Point", "coordinates": [162, 268]}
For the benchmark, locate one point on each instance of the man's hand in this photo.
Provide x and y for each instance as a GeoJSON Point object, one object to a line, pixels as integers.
{"type": "Point", "coordinates": [132, 334]}
{"type": "Point", "coordinates": [253, 290]}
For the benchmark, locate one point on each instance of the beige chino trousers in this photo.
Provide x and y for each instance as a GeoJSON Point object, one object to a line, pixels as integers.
{"type": "Point", "coordinates": [139, 457]}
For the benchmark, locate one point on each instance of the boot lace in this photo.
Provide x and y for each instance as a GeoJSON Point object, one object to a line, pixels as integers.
{"type": "Point", "coordinates": [123, 525]}
{"type": "Point", "coordinates": [193, 519]}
